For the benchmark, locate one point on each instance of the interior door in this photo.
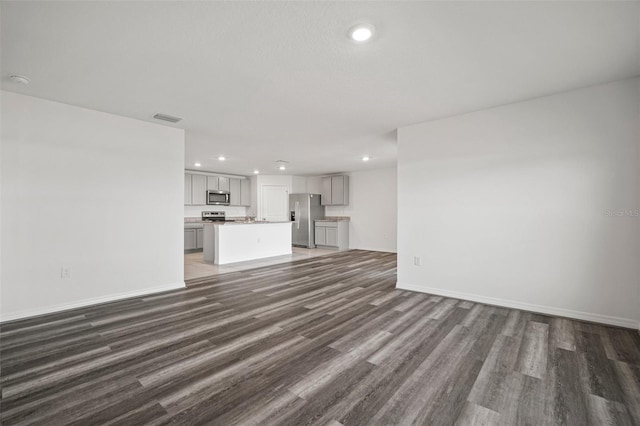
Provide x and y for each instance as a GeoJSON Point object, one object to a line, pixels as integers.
{"type": "Point", "coordinates": [275, 203]}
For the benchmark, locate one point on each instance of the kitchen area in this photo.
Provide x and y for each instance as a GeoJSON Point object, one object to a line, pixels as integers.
{"type": "Point", "coordinates": [235, 223]}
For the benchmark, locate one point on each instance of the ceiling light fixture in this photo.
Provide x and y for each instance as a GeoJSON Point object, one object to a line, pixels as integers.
{"type": "Point", "coordinates": [282, 164]}
{"type": "Point", "coordinates": [20, 79]}
{"type": "Point", "coordinates": [361, 32]}
{"type": "Point", "coordinates": [197, 164]}
{"type": "Point", "coordinates": [221, 158]}
{"type": "Point", "coordinates": [255, 172]}
{"type": "Point", "coordinates": [365, 158]}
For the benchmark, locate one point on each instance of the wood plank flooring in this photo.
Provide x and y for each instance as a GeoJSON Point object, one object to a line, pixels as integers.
{"type": "Point", "coordinates": [320, 341]}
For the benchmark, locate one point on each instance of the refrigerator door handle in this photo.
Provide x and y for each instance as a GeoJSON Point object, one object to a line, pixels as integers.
{"type": "Point", "coordinates": [297, 210]}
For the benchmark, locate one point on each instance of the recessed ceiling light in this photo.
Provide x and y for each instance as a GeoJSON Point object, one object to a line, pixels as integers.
{"type": "Point", "coordinates": [20, 79]}
{"type": "Point", "coordinates": [365, 158]}
{"type": "Point", "coordinates": [282, 167]}
{"type": "Point", "coordinates": [221, 158]}
{"type": "Point", "coordinates": [361, 33]}
{"type": "Point", "coordinates": [255, 172]}
{"type": "Point", "coordinates": [197, 164]}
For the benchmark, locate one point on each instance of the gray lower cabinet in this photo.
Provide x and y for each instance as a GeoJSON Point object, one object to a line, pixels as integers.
{"type": "Point", "coordinates": [193, 237]}
{"type": "Point", "coordinates": [199, 238]}
{"type": "Point", "coordinates": [190, 239]}
{"type": "Point", "coordinates": [332, 237]}
{"type": "Point", "coordinates": [321, 235]}
{"type": "Point", "coordinates": [332, 234]}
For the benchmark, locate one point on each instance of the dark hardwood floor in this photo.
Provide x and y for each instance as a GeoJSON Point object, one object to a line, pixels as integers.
{"type": "Point", "coordinates": [323, 341]}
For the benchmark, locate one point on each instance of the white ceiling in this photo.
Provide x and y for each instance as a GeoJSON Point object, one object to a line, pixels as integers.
{"type": "Point", "coordinates": [262, 81]}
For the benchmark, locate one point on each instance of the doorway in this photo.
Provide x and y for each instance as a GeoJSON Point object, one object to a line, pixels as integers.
{"type": "Point", "coordinates": [275, 203]}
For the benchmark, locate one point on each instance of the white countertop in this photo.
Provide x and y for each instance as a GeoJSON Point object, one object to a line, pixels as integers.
{"type": "Point", "coordinates": [334, 219]}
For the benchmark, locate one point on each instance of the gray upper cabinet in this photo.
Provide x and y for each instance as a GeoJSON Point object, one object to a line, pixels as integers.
{"type": "Point", "coordinates": [195, 190]}
{"type": "Point", "coordinates": [325, 191]}
{"type": "Point", "coordinates": [339, 190]}
{"type": "Point", "coordinates": [245, 192]}
{"type": "Point", "coordinates": [234, 189]}
{"type": "Point", "coordinates": [187, 189]}
{"type": "Point", "coordinates": [223, 184]}
{"type": "Point", "coordinates": [335, 190]}
{"type": "Point", "coordinates": [198, 190]}
{"type": "Point", "coordinates": [197, 185]}
{"type": "Point", "coordinates": [212, 183]}
{"type": "Point", "coordinates": [240, 192]}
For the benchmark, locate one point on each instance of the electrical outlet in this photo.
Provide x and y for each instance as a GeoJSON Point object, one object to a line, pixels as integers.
{"type": "Point", "coordinates": [65, 272]}
{"type": "Point", "coordinates": [416, 260]}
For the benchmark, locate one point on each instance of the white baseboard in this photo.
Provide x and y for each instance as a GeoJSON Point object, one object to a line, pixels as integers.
{"type": "Point", "coordinates": [373, 249]}
{"type": "Point", "coordinates": [11, 316]}
{"type": "Point", "coordinates": [549, 310]}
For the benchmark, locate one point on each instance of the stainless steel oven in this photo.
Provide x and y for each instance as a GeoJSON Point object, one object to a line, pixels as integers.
{"type": "Point", "coordinates": [218, 198]}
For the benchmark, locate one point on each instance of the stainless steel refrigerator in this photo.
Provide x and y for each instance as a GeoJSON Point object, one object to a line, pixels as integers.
{"type": "Point", "coordinates": [305, 210]}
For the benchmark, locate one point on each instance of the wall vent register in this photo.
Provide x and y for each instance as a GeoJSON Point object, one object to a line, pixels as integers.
{"type": "Point", "coordinates": [165, 117]}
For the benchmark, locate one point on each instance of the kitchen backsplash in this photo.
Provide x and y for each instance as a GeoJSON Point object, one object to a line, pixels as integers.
{"type": "Point", "coordinates": [235, 211]}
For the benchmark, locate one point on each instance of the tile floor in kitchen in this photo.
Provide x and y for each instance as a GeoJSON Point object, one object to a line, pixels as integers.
{"type": "Point", "coordinates": [196, 267]}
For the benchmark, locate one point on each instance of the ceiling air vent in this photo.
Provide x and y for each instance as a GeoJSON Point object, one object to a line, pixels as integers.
{"type": "Point", "coordinates": [165, 117]}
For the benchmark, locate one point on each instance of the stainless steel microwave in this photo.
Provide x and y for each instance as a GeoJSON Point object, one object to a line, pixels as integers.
{"type": "Point", "coordinates": [218, 198]}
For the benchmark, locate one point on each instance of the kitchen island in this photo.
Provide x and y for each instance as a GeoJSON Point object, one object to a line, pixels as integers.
{"type": "Point", "coordinates": [241, 241]}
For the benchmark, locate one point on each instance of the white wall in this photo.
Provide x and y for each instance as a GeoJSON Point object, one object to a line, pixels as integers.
{"type": "Point", "coordinates": [253, 208]}
{"type": "Point", "coordinates": [314, 185]}
{"type": "Point", "coordinates": [637, 317]}
{"type": "Point", "coordinates": [96, 192]}
{"type": "Point", "coordinates": [510, 205]}
{"type": "Point", "coordinates": [372, 209]}
{"type": "Point", "coordinates": [373, 223]}
{"type": "Point", "coordinates": [298, 185]}
{"type": "Point", "coordinates": [295, 184]}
